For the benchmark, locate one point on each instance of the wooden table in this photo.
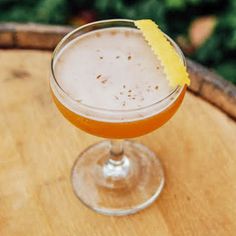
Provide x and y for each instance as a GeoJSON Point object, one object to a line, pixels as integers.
{"type": "Point", "coordinates": [38, 148]}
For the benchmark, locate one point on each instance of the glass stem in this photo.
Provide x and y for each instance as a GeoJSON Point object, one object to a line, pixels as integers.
{"type": "Point", "coordinates": [118, 165]}
{"type": "Point", "coordinates": [116, 152]}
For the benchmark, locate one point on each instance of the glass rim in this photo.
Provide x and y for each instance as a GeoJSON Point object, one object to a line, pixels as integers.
{"type": "Point", "coordinates": [99, 109]}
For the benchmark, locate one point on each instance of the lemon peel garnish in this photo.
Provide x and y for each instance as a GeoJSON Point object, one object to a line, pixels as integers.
{"type": "Point", "coordinates": [173, 65]}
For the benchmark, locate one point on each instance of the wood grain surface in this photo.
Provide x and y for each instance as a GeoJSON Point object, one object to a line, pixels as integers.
{"type": "Point", "coordinates": [38, 147]}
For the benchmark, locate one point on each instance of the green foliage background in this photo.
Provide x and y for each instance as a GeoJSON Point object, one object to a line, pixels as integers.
{"type": "Point", "coordinates": [173, 16]}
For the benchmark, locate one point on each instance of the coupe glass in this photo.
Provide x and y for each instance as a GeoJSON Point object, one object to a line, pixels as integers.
{"type": "Point", "coordinates": [115, 177]}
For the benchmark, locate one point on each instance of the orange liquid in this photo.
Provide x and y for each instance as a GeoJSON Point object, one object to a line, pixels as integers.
{"type": "Point", "coordinates": [122, 130]}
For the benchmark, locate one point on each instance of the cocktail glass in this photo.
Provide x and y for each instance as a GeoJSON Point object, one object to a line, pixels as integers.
{"type": "Point", "coordinates": [115, 177]}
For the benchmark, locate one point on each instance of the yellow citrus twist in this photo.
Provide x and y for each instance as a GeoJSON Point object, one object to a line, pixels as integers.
{"type": "Point", "coordinates": [173, 65]}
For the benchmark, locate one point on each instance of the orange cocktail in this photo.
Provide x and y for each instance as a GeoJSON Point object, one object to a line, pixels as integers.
{"type": "Point", "coordinates": [107, 81]}
{"type": "Point", "coordinates": [121, 129]}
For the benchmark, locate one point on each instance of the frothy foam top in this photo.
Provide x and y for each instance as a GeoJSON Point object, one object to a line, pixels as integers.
{"type": "Point", "coordinates": [113, 69]}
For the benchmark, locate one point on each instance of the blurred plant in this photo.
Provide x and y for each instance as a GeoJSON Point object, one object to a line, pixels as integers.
{"type": "Point", "coordinates": [206, 29]}
{"type": "Point", "coordinates": [44, 11]}
{"type": "Point", "coordinates": [219, 50]}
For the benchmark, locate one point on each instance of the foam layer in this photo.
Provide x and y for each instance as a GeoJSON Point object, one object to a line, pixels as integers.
{"type": "Point", "coordinates": [112, 69]}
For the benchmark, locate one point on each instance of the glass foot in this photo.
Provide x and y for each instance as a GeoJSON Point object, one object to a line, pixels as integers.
{"type": "Point", "coordinates": [117, 187]}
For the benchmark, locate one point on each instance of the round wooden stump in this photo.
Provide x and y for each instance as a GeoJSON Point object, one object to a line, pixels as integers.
{"type": "Point", "coordinates": [38, 148]}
